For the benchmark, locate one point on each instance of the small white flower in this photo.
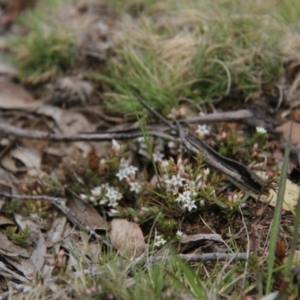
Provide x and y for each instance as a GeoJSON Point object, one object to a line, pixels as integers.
{"type": "Point", "coordinates": [113, 212]}
{"type": "Point", "coordinates": [184, 197]}
{"type": "Point", "coordinates": [96, 191]}
{"type": "Point", "coordinates": [179, 233]}
{"type": "Point", "coordinates": [92, 199]}
{"type": "Point", "coordinates": [202, 203]}
{"type": "Point", "coordinates": [171, 144]}
{"type": "Point", "coordinates": [141, 139]}
{"type": "Point", "coordinates": [177, 181]}
{"type": "Point", "coordinates": [102, 161]}
{"type": "Point", "coordinates": [115, 146]}
{"type": "Point", "coordinates": [158, 157]}
{"type": "Point", "coordinates": [113, 194]}
{"type": "Point", "coordinates": [131, 170]}
{"type": "Point", "coordinates": [189, 205]}
{"type": "Point", "coordinates": [135, 187]}
{"type": "Point", "coordinates": [126, 172]}
{"type": "Point", "coordinates": [121, 174]}
{"type": "Point", "coordinates": [206, 171]}
{"type": "Point", "coordinates": [202, 130]}
{"type": "Point", "coordinates": [113, 203]}
{"type": "Point", "coordinates": [261, 130]}
{"type": "Point", "coordinates": [159, 241]}
{"type": "Point", "coordinates": [103, 201]}
{"type": "Point", "coordinates": [83, 196]}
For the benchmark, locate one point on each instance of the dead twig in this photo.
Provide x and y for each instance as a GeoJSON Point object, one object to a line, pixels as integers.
{"type": "Point", "coordinates": [201, 257]}
{"type": "Point", "coordinates": [7, 129]}
{"type": "Point", "coordinates": [246, 116]}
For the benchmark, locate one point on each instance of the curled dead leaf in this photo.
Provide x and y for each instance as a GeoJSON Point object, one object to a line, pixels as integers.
{"type": "Point", "coordinates": [127, 238]}
{"type": "Point", "coordinates": [86, 213]}
{"type": "Point", "coordinates": [38, 251]}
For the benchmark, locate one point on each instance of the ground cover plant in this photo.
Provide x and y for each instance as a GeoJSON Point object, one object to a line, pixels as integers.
{"type": "Point", "coordinates": [147, 151]}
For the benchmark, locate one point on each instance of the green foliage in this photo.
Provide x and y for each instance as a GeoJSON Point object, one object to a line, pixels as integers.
{"type": "Point", "coordinates": [192, 49]}
{"type": "Point", "coordinates": [277, 216]}
{"type": "Point", "coordinates": [190, 278]}
{"type": "Point", "coordinates": [19, 237]}
{"type": "Point", "coordinates": [11, 207]}
{"type": "Point", "coordinates": [46, 49]}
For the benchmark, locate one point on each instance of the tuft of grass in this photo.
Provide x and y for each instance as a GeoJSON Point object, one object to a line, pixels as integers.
{"type": "Point", "coordinates": [19, 237]}
{"type": "Point", "coordinates": [195, 49]}
{"type": "Point", "coordinates": [277, 217]}
{"type": "Point", "coordinates": [47, 49]}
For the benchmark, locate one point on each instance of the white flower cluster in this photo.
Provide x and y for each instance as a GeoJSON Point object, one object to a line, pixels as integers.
{"type": "Point", "coordinates": [105, 194]}
{"type": "Point", "coordinates": [182, 185]}
{"type": "Point", "coordinates": [126, 172]}
{"type": "Point", "coordinates": [173, 183]}
{"type": "Point", "coordinates": [185, 199]}
{"type": "Point", "coordinates": [129, 174]}
{"type": "Point", "coordinates": [159, 241]}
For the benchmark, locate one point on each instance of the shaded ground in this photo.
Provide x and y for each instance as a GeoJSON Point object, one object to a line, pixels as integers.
{"type": "Point", "coordinates": [98, 194]}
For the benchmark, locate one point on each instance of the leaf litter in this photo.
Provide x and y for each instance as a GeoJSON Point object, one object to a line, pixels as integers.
{"type": "Point", "coordinates": [138, 195]}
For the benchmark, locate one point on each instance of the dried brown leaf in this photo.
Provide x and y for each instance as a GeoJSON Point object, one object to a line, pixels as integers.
{"type": "Point", "coordinates": [36, 237]}
{"type": "Point", "coordinates": [127, 237]}
{"type": "Point", "coordinates": [54, 234]}
{"type": "Point", "coordinates": [285, 129]}
{"type": "Point", "coordinates": [29, 157]}
{"type": "Point", "coordinates": [13, 96]}
{"type": "Point", "coordinates": [6, 221]}
{"type": "Point", "coordinates": [85, 212]}
{"type": "Point", "coordinates": [7, 70]}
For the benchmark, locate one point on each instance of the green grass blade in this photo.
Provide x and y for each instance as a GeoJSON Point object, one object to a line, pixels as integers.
{"type": "Point", "coordinates": [277, 215]}
{"type": "Point", "coordinates": [191, 278]}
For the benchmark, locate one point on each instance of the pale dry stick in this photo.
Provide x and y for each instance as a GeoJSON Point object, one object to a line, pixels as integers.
{"type": "Point", "coordinates": [7, 129]}
{"type": "Point", "coordinates": [60, 204]}
{"type": "Point", "coordinates": [248, 245]}
{"type": "Point", "coordinates": [204, 257]}
{"type": "Point", "coordinates": [280, 89]}
{"type": "Point", "coordinates": [222, 240]}
{"type": "Point", "coordinates": [201, 237]}
{"type": "Point", "coordinates": [125, 134]}
{"type": "Point", "coordinates": [229, 116]}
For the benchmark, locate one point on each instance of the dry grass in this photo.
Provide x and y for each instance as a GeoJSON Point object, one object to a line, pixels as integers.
{"type": "Point", "coordinates": [195, 49]}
